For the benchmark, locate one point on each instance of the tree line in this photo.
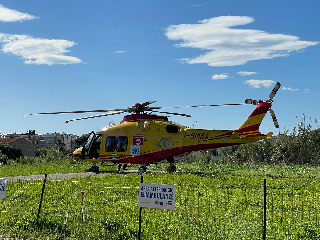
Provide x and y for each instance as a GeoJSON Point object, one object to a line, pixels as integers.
{"type": "Point", "coordinates": [301, 146]}
{"type": "Point", "coordinates": [49, 153]}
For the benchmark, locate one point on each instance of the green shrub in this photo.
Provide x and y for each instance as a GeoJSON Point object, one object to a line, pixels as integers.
{"type": "Point", "coordinates": [3, 158]}
{"type": "Point", "coordinates": [309, 232]}
{"type": "Point", "coordinates": [9, 152]}
{"type": "Point", "coordinates": [301, 146]}
{"type": "Point", "coordinates": [50, 153]}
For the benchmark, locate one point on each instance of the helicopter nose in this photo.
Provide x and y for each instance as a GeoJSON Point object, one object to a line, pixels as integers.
{"type": "Point", "coordinates": [77, 152]}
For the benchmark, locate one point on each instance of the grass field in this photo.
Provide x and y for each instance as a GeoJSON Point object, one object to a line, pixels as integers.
{"type": "Point", "coordinates": [214, 201]}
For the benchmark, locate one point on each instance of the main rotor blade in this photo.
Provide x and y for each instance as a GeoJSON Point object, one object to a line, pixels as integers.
{"type": "Point", "coordinates": [130, 109]}
{"type": "Point", "coordinates": [206, 105]}
{"type": "Point", "coordinates": [274, 91]}
{"type": "Point", "coordinates": [179, 114]}
{"type": "Point", "coordinates": [147, 103]}
{"type": "Point", "coordinates": [95, 116]}
{"type": "Point", "coordinates": [85, 111]}
{"type": "Point", "coordinates": [275, 121]}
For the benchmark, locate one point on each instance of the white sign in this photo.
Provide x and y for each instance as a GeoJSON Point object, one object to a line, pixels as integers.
{"type": "Point", "coordinates": [135, 150]}
{"type": "Point", "coordinates": [2, 188]}
{"type": "Point", "coordinates": [157, 196]}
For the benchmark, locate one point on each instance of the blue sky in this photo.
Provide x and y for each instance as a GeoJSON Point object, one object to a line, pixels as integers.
{"type": "Point", "coordinates": [80, 55]}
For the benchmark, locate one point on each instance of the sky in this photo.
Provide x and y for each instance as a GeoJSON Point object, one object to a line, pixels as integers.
{"type": "Point", "coordinates": [83, 55]}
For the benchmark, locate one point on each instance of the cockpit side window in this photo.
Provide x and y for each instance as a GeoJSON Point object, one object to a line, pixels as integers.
{"type": "Point", "coordinates": [122, 144]}
{"type": "Point", "coordinates": [172, 129]}
{"type": "Point", "coordinates": [111, 144]}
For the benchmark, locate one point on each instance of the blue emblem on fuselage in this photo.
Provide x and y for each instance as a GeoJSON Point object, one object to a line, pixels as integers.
{"type": "Point", "coordinates": [164, 143]}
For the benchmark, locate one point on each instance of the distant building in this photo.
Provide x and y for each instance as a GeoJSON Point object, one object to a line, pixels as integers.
{"type": "Point", "coordinates": [27, 148]}
{"type": "Point", "coordinates": [69, 140]}
{"type": "Point", "coordinates": [51, 139]}
{"type": "Point", "coordinates": [217, 152]}
{"type": "Point", "coordinates": [31, 136]}
{"type": "Point", "coordinates": [46, 140]}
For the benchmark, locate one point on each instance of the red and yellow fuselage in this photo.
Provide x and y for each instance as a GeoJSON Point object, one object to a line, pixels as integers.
{"type": "Point", "coordinates": [148, 138]}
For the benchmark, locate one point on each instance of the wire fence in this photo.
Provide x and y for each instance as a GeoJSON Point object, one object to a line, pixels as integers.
{"type": "Point", "coordinates": [110, 211]}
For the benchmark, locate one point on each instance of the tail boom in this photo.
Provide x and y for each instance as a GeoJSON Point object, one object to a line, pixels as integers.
{"type": "Point", "coordinates": [250, 127]}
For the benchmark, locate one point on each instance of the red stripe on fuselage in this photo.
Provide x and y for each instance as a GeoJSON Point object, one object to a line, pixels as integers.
{"type": "Point", "coordinates": [249, 128]}
{"type": "Point", "coordinates": [162, 155]}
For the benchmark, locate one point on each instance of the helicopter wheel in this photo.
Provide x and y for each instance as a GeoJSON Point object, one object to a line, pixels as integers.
{"type": "Point", "coordinates": [94, 168]}
{"type": "Point", "coordinates": [142, 169]}
{"type": "Point", "coordinates": [125, 166]}
{"type": "Point", "coordinates": [172, 168]}
{"type": "Point", "coordinates": [119, 167]}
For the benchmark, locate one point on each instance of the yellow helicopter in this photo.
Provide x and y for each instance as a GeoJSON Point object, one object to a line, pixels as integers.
{"type": "Point", "coordinates": [145, 138]}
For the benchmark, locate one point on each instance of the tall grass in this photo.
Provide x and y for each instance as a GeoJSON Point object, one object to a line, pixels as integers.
{"type": "Point", "coordinates": [213, 202]}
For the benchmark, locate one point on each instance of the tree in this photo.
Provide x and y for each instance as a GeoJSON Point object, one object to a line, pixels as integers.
{"type": "Point", "coordinates": [81, 140]}
{"type": "Point", "coordinates": [9, 152]}
{"type": "Point", "coordinates": [3, 158]}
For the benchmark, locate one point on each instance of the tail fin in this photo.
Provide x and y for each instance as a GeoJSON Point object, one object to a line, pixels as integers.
{"type": "Point", "coordinates": [250, 127]}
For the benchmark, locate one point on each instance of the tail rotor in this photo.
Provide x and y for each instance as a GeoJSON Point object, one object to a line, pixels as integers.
{"type": "Point", "coordinates": [271, 96]}
{"type": "Point", "coordinates": [274, 91]}
{"type": "Point", "coordinates": [275, 121]}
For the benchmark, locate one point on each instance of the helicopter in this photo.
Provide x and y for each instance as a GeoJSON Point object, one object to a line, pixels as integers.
{"type": "Point", "coordinates": [145, 138]}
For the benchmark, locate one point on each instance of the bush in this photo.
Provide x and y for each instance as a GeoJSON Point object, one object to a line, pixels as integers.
{"type": "Point", "coordinates": [50, 153]}
{"type": "Point", "coordinates": [3, 158]}
{"type": "Point", "coordinates": [308, 231]}
{"type": "Point", "coordinates": [9, 152]}
{"type": "Point", "coordinates": [302, 146]}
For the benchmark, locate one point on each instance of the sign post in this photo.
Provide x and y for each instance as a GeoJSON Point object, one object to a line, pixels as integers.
{"type": "Point", "coordinates": [2, 188]}
{"type": "Point", "coordinates": [140, 214]}
{"type": "Point", "coordinates": [155, 196]}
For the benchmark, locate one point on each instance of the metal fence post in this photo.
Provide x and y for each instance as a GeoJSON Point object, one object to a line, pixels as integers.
{"type": "Point", "coordinates": [140, 217]}
{"type": "Point", "coordinates": [44, 185]}
{"type": "Point", "coordinates": [264, 209]}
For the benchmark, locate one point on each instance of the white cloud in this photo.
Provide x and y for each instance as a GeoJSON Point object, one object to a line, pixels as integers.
{"type": "Point", "coordinates": [119, 51]}
{"type": "Point", "coordinates": [228, 46]}
{"type": "Point", "coordinates": [196, 5]}
{"type": "Point", "coordinates": [290, 89]}
{"type": "Point", "coordinates": [259, 83]}
{"type": "Point", "coordinates": [219, 76]}
{"type": "Point", "coordinates": [245, 73]}
{"type": "Point", "coordinates": [306, 90]}
{"type": "Point", "coordinates": [38, 50]}
{"type": "Point", "coordinates": [11, 15]}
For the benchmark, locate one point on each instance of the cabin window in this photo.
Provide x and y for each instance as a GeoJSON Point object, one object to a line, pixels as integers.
{"type": "Point", "coordinates": [122, 144]}
{"type": "Point", "coordinates": [172, 129]}
{"type": "Point", "coordinates": [111, 144]}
